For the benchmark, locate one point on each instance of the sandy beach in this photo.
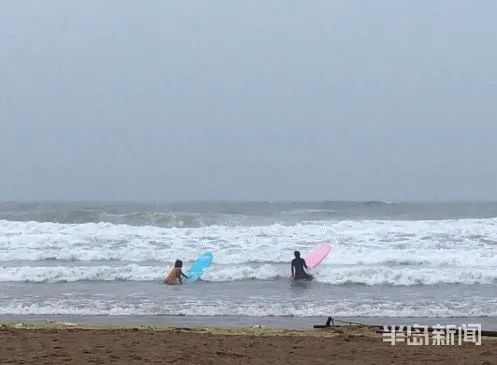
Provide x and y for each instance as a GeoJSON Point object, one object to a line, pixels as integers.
{"type": "Point", "coordinates": [51, 344]}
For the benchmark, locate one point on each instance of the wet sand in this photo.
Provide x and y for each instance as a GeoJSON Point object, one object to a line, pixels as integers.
{"type": "Point", "coordinates": [107, 345]}
{"type": "Point", "coordinates": [294, 323]}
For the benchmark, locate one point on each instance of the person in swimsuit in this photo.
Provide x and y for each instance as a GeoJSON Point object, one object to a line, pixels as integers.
{"type": "Point", "coordinates": [175, 274]}
{"type": "Point", "coordinates": [298, 265]}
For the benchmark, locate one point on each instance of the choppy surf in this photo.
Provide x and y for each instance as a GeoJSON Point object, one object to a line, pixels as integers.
{"type": "Point", "coordinates": [364, 252]}
{"type": "Point", "coordinates": [387, 259]}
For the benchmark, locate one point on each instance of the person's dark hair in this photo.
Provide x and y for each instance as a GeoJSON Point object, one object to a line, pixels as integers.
{"type": "Point", "coordinates": [178, 263]}
{"type": "Point", "coordinates": [297, 254]}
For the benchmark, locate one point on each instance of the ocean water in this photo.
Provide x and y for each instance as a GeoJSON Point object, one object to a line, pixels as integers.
{"type": "Point", "coordinates": [388, 259]}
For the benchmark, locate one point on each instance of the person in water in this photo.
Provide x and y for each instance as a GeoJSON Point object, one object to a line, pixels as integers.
{"type": "Point", "coordinates": [176, 274]}
{"type": "Point", "coordinates": [298, 265]}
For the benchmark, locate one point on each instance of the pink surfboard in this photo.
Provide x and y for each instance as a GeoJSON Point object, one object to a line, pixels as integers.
{"type": "Point", "coordinates": [317, 255]}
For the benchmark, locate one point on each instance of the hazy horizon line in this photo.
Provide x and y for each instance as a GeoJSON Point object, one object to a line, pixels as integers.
{"type": "Point", "coordinates": [241, 201]}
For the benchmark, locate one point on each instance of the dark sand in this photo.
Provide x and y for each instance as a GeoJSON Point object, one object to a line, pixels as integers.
{"type": "Point", "coordinates": [349, 345]}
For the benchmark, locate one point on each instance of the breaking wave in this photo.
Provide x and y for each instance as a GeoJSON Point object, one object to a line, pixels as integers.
{"type": "Point", "coordinates": [364, 275]}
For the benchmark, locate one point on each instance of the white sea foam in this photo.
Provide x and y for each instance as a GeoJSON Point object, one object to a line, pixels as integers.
{"type": "Point", "coordinates": [365, 252]}
{"type": "Point", "coordinates": [365, 275]}
{"type": "Point", "coordinates": [113, 269]}
{"type": "Point", "coordinates": [257, 309]}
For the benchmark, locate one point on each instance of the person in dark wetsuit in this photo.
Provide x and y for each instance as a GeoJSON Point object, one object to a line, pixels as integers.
{"type": "Point", "coordinates": [298, 265]}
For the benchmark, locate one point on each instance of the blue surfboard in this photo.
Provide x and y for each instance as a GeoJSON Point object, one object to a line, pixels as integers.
{"type": "Point", "coordinates": [198, 266]}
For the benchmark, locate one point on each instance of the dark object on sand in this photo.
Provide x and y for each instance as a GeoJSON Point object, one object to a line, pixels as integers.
{"type": "Point", "coordinates": [330, 322]}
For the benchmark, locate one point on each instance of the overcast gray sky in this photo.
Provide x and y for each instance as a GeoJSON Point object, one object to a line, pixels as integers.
{"type": "Point", "coordinates": [173, 100]}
